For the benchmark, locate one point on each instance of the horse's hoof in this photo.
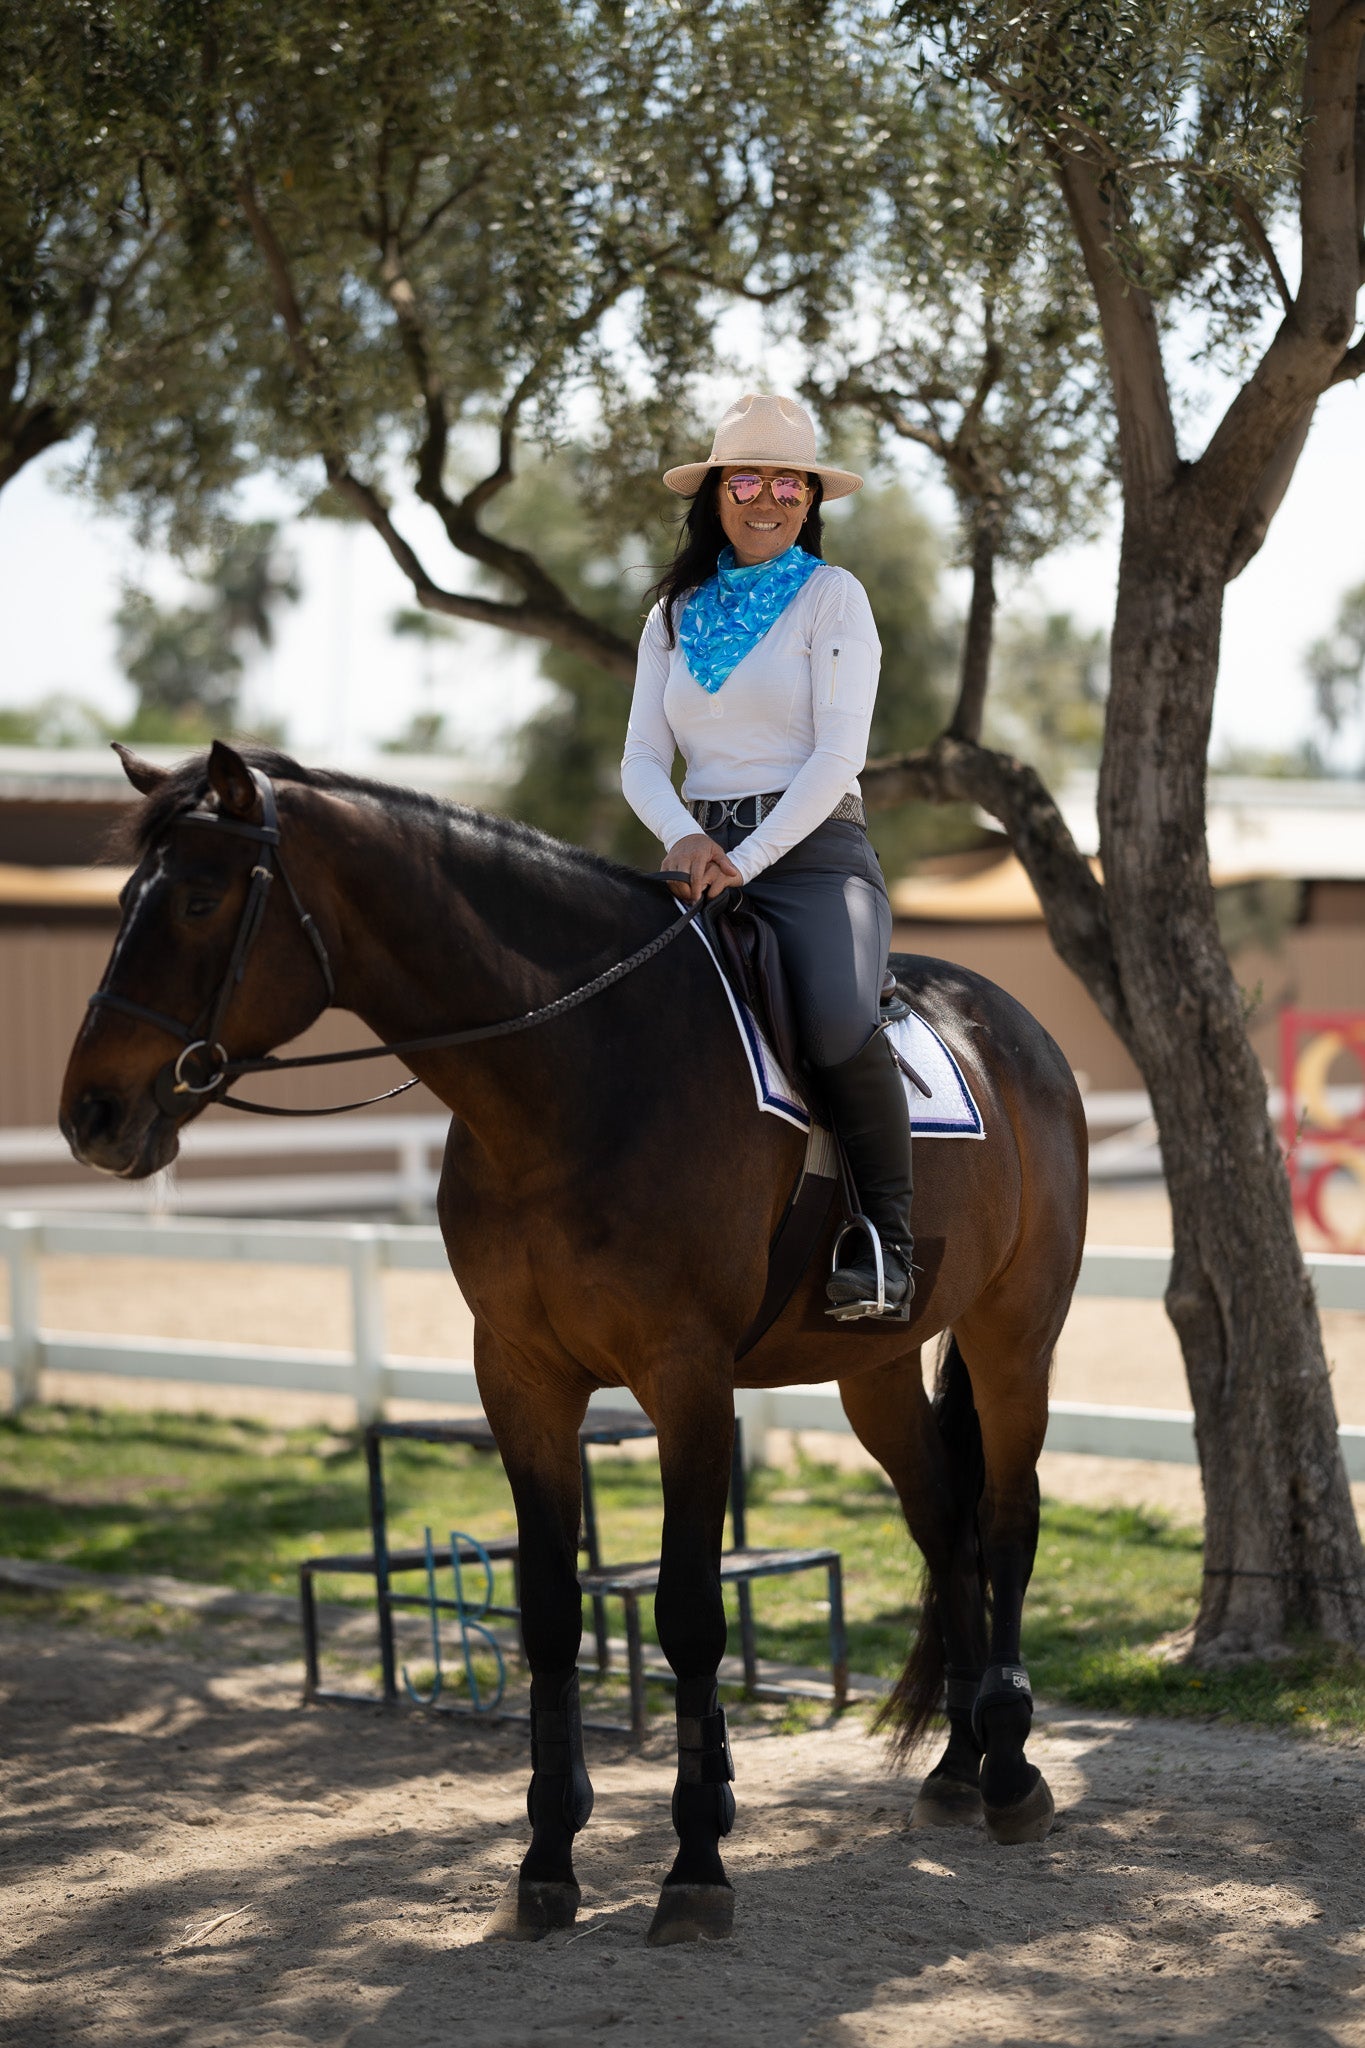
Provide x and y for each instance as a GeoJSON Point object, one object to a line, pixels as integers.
{"type": "Point", "coordinates": [947, 1803]}
{"type": "Point", "coordinates": [692, 1912]}
{"type": "Point", "coordinates": [528, 1911]}
{"type": "Point", "coordinates": [1028, 1820]}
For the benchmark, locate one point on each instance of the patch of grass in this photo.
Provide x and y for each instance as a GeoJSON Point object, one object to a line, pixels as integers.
{"type": "Point", "coordinates": [239, 1503]}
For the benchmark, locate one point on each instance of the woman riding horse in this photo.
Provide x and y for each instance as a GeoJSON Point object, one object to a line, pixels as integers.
{"type": "Point", "coordinates": [759, 663]}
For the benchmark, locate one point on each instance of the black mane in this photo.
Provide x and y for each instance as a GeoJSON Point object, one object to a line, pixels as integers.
{"type": "Point", "coordinates": [187, 784]}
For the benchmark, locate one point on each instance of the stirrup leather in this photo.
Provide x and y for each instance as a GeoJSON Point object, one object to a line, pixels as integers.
{"type": "Point", "coordinates": [877, 1308]}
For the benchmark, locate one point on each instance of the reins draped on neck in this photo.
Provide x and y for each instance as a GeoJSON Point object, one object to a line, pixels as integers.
{"type": "Point", "coordinates": [733, 610]}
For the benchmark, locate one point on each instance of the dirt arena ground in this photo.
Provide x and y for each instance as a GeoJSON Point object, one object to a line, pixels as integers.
{"type": "Point", "coordinates": [190, 1858]}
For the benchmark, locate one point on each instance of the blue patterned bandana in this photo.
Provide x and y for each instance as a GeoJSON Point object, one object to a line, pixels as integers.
{"type": "Point", "coordinates": [733, 609]}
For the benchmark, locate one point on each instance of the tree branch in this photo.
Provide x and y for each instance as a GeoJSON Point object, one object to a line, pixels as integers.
{"type": "Point", "coordinates": [25, 437]}
{"type": "Point", "coordinates": [431, 456]}
{"type": "Point", "coordinates": [561, 626]}
{"type": "Point", "coordinates": [1073, 900]}
{"type": "Point", "coordinates": [546, 612]}
{"type": "Point", "coordinates": [1148, 456]}
{"type": "Point", "coordinates": [1255, 227]}
{"type": "Point", "coordinates": [1190, 167]}
{"type": "Point", "coordinates": [1268, 495]}
{"type": "Point", "coordinates": [885, 408]}
{"type": "Point", "coordinates": [1329, 212]}
{"type": "Point", "coordinates": [442, 207]}
{"type": "Point", "coordinates": [1351, 365]}
{"type": "Point", "coordinates": [282, 285]}
{"type": "Point", "coordinates": [1360, 159]}
{"type": "Point", "coordinates": [756, 295]}
{"type": "Point", "coordinates": [977, 640]}
{"type": "Point", "coordinates": [1246, 455]}
{"type": "Point", "coordinates": [988, 377]}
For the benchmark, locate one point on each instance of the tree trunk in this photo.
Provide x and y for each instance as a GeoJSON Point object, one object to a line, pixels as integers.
{"type": "Point", "coordinates": [978, 640]}
{"type": "Point", "coordinates": [1282, 1550]}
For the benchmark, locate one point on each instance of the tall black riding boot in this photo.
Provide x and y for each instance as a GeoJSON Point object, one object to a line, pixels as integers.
{"type": "Point", "coordinates": [866, 1100]}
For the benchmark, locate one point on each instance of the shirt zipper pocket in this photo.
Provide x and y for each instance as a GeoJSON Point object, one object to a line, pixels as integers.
{"type": "Point", "coordinates": [833, 673]}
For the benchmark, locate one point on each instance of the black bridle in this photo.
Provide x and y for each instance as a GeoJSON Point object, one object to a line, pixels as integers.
{"type": "Point", "coordinates": [203, 1068]}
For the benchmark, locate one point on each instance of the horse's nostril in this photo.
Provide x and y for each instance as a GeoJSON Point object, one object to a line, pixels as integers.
{"type": "Point", "coordinates": [97, 1116]}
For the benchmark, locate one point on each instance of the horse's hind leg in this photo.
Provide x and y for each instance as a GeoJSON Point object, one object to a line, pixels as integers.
{"type": "Point", "coordinates": [931, 1456]}
{"type": "Point", "coordinates": [536, 1422]}
{"type": "Point", "coordinates": [1009, 1369]}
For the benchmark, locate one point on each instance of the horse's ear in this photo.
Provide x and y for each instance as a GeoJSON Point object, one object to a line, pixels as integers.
{"type": "Point", "coordinates": [144, 776]}
{"type": "Point", "coordinates": [231, 782]}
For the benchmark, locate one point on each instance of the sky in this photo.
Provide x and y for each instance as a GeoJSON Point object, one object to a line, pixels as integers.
{"type": "Point", "coordinates": [342, 682]}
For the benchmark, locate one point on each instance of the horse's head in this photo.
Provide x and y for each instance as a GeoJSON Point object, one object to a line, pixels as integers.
{"type": "Point", "coordinates": [209, 963]}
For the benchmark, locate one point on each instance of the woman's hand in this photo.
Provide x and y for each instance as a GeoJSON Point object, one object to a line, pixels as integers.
{"type": "Point", "coordinates": [705, 864]}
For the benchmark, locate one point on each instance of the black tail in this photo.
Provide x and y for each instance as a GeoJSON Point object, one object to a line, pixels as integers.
{"type": "Point", "coordinates": [918, 1694]}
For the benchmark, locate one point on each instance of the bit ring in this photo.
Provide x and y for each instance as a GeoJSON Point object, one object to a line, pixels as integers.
{"type": "Point", "coordinates": [184, 1087]}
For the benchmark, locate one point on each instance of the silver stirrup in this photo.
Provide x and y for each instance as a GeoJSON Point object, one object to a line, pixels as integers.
{"type": "Point", "coordinates": [850, 1311]}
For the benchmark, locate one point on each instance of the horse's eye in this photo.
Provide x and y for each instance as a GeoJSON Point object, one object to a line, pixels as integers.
{"type": "Point", "coordinates": [201, 906]}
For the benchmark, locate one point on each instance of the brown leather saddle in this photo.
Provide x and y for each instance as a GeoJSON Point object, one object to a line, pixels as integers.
{"type": "Point", "coordinates": [746, 946]}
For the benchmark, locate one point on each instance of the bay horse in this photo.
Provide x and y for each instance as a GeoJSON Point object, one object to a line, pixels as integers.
{"type": "Point", "coordinates": [608, 1197]}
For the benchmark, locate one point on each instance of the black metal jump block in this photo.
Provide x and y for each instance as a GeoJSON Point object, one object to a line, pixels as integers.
{"type": "Point", "coordinates": [630, 1583]}
{"type": "Point", "coordinates": [740, 1566]}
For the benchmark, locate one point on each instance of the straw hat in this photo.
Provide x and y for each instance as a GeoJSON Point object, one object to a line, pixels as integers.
{"type": "Point", "coordinates": [770, 431]}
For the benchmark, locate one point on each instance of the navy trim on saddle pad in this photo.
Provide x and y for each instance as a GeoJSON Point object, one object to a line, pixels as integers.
{"type": "Point", "coordinates": [949, 1111]}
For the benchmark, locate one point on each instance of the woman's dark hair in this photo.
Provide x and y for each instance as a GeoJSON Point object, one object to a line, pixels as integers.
{"type": "Point", "coordinates": [700, 540]}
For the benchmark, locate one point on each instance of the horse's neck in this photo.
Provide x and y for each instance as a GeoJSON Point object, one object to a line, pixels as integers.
{"type": "Point", "coordinates": [458, 923]}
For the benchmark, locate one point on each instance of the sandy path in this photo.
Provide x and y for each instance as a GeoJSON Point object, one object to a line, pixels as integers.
{"type": "Point", "coordinates": [1203, 1884]}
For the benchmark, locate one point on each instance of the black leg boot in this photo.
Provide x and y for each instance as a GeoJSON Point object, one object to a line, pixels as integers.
{"type": "Point", "coordinates": [866, 1101]}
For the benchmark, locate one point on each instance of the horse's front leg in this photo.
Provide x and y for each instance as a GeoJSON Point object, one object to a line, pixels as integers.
{"type": "Point", "coordinates": [535, 1419]}
{"type": "Point", "coordinates": [693, 1409]}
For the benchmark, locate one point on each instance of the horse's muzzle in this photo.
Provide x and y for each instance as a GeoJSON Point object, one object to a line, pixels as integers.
{"type": "Point", "coordinates": [114, 1134]}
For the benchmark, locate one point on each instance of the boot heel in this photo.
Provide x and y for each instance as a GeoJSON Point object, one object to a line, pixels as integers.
{"type": "Point", "coordinates": [874, 1307]}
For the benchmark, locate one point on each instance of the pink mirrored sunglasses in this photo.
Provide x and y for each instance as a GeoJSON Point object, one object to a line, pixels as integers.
{"type": "Point", "coordinates": [788, 490]}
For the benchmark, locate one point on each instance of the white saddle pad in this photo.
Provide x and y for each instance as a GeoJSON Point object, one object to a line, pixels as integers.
{"type": "Point", "coordinates": [948, 1111]}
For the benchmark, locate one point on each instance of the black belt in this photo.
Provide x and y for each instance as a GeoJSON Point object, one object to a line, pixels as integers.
{"type": "Point", "coordinates": [713, 812]}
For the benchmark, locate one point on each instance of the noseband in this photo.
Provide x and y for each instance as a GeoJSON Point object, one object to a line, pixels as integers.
{"type": "Point", "coordinates": [202, 1067]}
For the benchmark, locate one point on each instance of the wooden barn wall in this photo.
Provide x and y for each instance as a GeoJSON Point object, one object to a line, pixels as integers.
{"type": "Point", "coordinates": [46, 973]}
{"type": "Point", "coordinates": [1316, 967]}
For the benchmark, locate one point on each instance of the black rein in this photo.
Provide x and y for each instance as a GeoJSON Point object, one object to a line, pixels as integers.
{"type": "Point", "coordinates": [202, 1037]}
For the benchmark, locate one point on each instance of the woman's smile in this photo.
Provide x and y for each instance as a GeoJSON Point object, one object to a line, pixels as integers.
{"type": "Point", "coordinates": [761, 530]}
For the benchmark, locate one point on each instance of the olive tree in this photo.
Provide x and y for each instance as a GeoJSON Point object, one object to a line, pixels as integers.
{"type": "Point", "coordinates": [1211, 165]}
{"type": "Point", "coordinates": [97, 308]}
{"type": "Point", "coordinates": [973, 342]}
{"type": "Point", "coordinates": [448, 234]}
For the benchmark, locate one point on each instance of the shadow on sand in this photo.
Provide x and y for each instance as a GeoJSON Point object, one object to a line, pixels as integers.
{"type": "Point", "coordinates": [1203, 1884]}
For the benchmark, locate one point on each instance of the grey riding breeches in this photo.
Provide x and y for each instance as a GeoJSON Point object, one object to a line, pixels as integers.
{"type": "Point", "coordinates": [826, 901]}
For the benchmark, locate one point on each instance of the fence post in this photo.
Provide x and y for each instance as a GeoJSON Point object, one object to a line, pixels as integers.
{"type": "Point", "coordinates": [367, 1323]}
{"type": "Point", "coordinates": [754, 1406]}
{"type": "Point", "coordinates": [25, 1347]}
{"type": "Point", "coordinates": [412, 1175]}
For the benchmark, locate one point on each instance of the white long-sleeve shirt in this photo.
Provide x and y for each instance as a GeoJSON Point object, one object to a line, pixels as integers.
{"type": "Point", "coordinates": [792, 715]}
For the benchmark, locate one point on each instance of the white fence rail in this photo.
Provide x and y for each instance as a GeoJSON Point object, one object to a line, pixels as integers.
{"type": "Point", "coordinates": [412, 1144]}
{"type": "Point", "coordinates": [370, 1376]}
{"type": "Point", "coordinates": [407, 1155]}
